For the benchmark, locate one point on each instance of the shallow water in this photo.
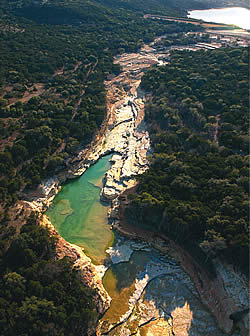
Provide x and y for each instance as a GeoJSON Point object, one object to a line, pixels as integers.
{"type": "Point", "coordinates": [142, 282]}
{"type": "Point", "coordinates": [236, 15]}
{"type": "Point", "coordinates": [168, 294]}
{"type": "Point", "coordinates": [78, 214]}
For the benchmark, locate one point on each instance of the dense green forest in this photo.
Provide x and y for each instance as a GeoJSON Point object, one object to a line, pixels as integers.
{"type": "Point", "coordinates": [196, 190]}
{"type": "Point", "coordinates": [54, 58]}
{"type": "Point", "coordinates": [51, 81]}
{"type": "Point", "coordinates": [41, 295]}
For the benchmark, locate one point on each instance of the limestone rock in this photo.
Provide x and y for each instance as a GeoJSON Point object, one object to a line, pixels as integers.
{"type": "Point", "coordinates": [109, 193]}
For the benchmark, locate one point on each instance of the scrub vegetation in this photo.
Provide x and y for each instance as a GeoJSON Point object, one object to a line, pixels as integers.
{"type": "Point", "coordinates": [41, 295]}
{"type": "Point", "coordinates": [54, 58]}
{"type": "Point", "coordinates": [196, 190]}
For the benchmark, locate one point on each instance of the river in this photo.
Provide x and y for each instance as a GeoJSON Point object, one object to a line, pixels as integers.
{"type": "Point", "coordinates": [144, 284]}
{"type": "Point", "coordinates": [151, 294]}
{"type": "Point", "coordinates": [236, 16]}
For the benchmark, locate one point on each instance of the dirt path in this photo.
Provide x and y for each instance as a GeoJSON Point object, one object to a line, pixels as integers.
{"type": "Point", "coordinates": [217, 129]}
{"type": "Point", "coordinates": [39, 89]}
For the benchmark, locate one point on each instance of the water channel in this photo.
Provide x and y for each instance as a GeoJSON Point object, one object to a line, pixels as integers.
{"type": "Point", "coordinates": [151, 294]}
{"type": "Point", "coordinates": [144, 284]}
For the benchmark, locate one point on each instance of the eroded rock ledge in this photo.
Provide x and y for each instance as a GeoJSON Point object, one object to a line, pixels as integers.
{"type": "Point", "coordinates": [88, 273]}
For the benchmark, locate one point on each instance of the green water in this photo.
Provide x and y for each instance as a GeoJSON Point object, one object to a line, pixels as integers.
{"type": "Point", "coordinates": [80, 218]}
{"type": "Point", "coordinates": [78, 214]}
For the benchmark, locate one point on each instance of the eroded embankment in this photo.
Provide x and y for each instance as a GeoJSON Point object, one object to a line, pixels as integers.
{"type": "Point", "coordinates": [124, 134]}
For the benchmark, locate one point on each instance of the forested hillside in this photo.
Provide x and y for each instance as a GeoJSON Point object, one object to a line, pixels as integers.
{"type": "Point", "coordinates": [196, 190]}
{"type": "Point", "coordinates": [41, 295]}
{"type": "Point", "coordinates": [54, 58]}
{"type": "Point", "coordinates": [53, 97]}
{"type": "Point", "coordinates": [51, 81]}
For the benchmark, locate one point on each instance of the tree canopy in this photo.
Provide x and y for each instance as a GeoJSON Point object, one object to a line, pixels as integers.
{"type": "Point", "coordinates": [196, 190]}
{"type": "Point", "coordinates": [41, 295]}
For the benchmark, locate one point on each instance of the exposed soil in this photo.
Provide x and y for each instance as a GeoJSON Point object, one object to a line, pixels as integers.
{"type": "Point", "coordinates": [36, 90]}
{"type": "Point", "coordinates": [217, 129]}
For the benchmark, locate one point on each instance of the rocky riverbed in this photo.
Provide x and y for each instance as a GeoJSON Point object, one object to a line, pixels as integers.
{"type": "Point", "coordinates": [123, 133]}
{"type": "Point", "coordinates": [126, 135]}
{"type": "Point", "coordinates": [162, 299]}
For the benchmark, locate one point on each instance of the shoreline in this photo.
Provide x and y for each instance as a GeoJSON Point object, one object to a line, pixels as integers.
{"type": "Point", "coordinates": [222, 19]}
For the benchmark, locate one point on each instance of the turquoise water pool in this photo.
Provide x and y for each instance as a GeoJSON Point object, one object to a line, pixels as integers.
{"type": "Point", "coordinates": [78, 214]}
